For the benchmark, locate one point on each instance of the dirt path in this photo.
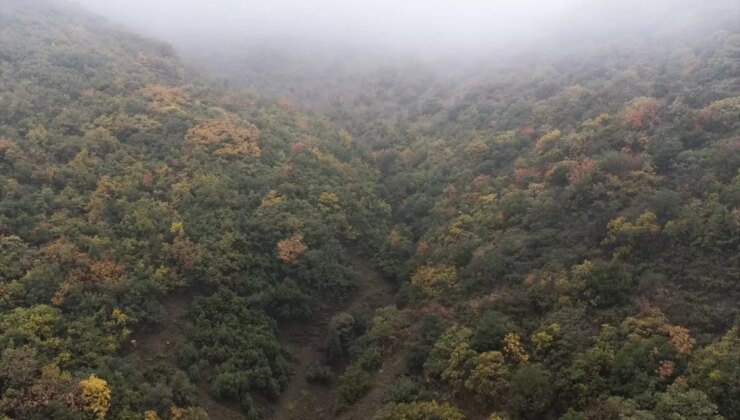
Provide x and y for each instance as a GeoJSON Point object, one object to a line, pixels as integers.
{"type": "Point", "coordinates": [158, 346]}
{"type": "Point", "coordinates": [383, 380]}
{"type": "Point", "coordinates": [155, 346]}
{"type": "Point", "coordinates": [301, 399]}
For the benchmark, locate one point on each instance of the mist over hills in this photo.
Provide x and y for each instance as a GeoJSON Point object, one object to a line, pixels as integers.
{"type": "Point", "coordinates": [369, 210]}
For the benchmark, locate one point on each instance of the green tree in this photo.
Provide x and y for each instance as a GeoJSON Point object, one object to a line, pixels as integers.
{"type": "Point", "coordinates": [530, 391]}
{"type": "Point", "coordinates": [680, 402]}
{"type": "Point", "coordinates": [715, 370]}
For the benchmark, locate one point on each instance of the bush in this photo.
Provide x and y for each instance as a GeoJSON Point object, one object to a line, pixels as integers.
{"type": "Point", "coordinates": [318, 373]}
{"type": "Point", "coordinates": [371, 359]}
{"type": "Point", "coordinates": [194, 373]}
{"type": "Point", "coordinates": [404, 390]}
{"type": "Point", "coordinates": [421, 410]}
{"type": "Point", "coordinates": [340, 334]}
{"type": "Point", "coordinates": [354, 383]}
{"type": "Point", "coordinates": [184, 392]}
{"type": "Point", "coordinates": [188, 355]}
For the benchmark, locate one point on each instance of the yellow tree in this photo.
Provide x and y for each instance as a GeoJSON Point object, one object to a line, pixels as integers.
{"type": "Point", "coordinates": [95, 396]}
{"type": "Point", "coordinates": [460, 363]}
{"type": "Point", "coordinates": [229, 137]}
{"type": "Point", "coordinates": [164, 99]}
{"type": "Point", "coordinates": [489, 378]}
{"type": "Point", "coordinates": [434, 280]}
{"type": "Point", "coordinates": [514, 349]}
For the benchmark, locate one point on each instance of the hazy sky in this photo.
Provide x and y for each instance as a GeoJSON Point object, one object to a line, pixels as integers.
{"type": "Point", "coordinates": [465, 24]}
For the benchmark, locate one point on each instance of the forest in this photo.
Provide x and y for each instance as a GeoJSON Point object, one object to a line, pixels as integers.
{"type": "Point", "coordinates": [241, 235]}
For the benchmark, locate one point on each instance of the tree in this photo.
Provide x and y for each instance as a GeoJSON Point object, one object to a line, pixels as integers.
{"type": "Point", "coordinates": [439, 356]}
{"type": "Point", "coordinates": [15, 257]}
{"type": "Point", "coordinates": [720, 115]}
{"type": "Point", "coordinates": [388, 327]}
{"type": "Point", "coordinates": [354, 383]}
{"type": "Point", "coordinates": [489, 378]}
{"type": "Point", "coordinates": [641, 112]}
{"type": "Point", "coordinates": [164, 99]}
{"type": "Point", "coordinates": [543, 339]}
{"type": "Point", "coordinates": [291, 249]}
{"type": "Point", "coordinates": [530, 391]}
{"type": "Point", "coordinates": [680, 402]}
{"type": "Point", "coordinates": [227, 137]}
{"type": "Point", "coordinates": [95, 396]}
{"type": "Point", "coordinates": [620, 229]}
{"type": "Point", "coordinates": [715, 370]}
{"type": "Point", "coordinates": [340, 333]}
{"type": "Point", "coordinates": [434, 280]}
{"type": "Point", "coordinates": [54, 389]}
{"type": "Point", "coordinates": [489, 331]}
{"type": "Point", "coordinates": [189, 413]}
{"type": "Point", "coordinates": [608, 284]}
{"type": "Point", "coordinates": [18, 366]}
{"type": "Point", "coordinates": [512, 347]}
{"type": "Point", "coordinates": [459, 364]}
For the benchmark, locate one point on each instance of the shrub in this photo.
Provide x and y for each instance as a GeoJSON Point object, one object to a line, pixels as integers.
{"type": "Point", "coordinates": [371, 358]}
{"type": "Point", "coordinates": [420, 410]}
{"type": "Point", "coordinates": [318, 373]}
{"type": "Point", "coordinates": [405, 390]}
{"type": "Point", "coordinates": [354, 383]}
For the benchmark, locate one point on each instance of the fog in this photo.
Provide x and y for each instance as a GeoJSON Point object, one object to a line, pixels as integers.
{"type": "Point", "coordinates": [400, 25]}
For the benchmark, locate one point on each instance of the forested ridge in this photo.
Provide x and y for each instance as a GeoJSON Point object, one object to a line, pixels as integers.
{"type": "Point", "coordinates": [563, 231]}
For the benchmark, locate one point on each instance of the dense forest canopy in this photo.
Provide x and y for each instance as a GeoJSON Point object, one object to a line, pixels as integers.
{"type": "Point", "coordinates": [267, 232]}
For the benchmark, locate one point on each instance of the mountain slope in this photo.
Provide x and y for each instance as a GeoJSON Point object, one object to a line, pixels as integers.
{"type": "Point", "coordinates": [124, 179]}
{"type": "Point", "coordinates": [564, 229]}
{"type": "Point", "coordinates": [566, 224]}
{"type": "Point", "coordinates": [567, 231]}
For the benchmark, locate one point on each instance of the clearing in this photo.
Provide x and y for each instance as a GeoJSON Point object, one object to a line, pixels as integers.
{"type": "Point", "coordinates": [304, 341]}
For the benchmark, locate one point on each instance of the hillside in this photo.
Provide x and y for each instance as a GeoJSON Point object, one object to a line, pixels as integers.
{"type": "Point", "coordinates": [566, 232]}
{"type": "Point", "coordinates": [124, 180]}
{"type": "Point", "coordinates": [565, 226]}
{"type": "Point", "coordinates": [541, 235]}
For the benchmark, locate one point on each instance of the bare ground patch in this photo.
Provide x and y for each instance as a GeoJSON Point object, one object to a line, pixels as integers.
{"type": "Point", "coordinates": [304, 341]}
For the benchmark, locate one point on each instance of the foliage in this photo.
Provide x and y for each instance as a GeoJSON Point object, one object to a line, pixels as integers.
{"type": "Point", "coordinates": [420, 410]}
{"type": "Point", "coordinates": [564, 231]}
{"type": "Point", "coordinates": [240, 344]}
{"type": "Point", "coordinates": [95, 396]}
{"type": "Point", "coordinates": [353, 384]}
{"type": "Point", "coordinates": [681, 402]}
{"type": "Point", "coordinates": [489, 378]}
{"type": "Point", "coordinates": [231, 138]}
{"type": "Point", "coordinates": [126, 184]}
{"type": "Point", "coordinates": [530, 391]}
{"type": "Point", "coordinates": [316, 372]}
{"type": "Point", "coordinates": [404, 390]}
{"type": "Point", "coordinates": [434, 280]}
{"type": "Point", "coordinates": [714, 370]}
{"type": "Point", "coordinates": [452, 339]}
{"type": "Point", "coordinates": [290, 249]}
